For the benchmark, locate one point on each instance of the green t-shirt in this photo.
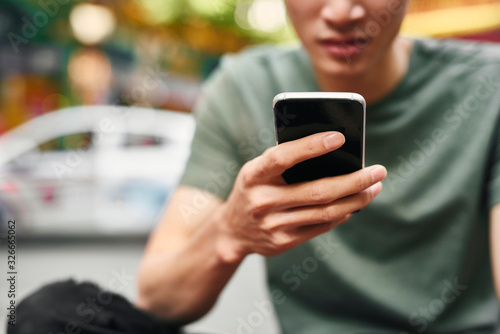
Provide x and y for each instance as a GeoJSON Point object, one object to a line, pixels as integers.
{"type": "Point", "coordinates": [417, 258]}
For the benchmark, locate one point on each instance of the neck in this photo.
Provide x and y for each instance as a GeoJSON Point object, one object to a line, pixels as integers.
{"type": "Point", "coordinates": [377, 83]}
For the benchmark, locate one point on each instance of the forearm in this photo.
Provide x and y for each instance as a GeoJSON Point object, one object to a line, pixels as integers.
{"type": "Point", "coordinates": [495, 246]}
{"type": "Point", "coordinates": [186, 266]}
{"type": "Point", "coordinates": [183, 285]}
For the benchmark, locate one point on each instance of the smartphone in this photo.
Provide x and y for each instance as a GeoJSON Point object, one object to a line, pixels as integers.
{"type": "Point", "coordinates": [301, 114]}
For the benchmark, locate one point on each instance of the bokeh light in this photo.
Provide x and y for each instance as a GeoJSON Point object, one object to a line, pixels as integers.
{"type": "Point", "coordinates": [241, 14]}
{"type": "Point", "coordinates": [161, 11]}
{"type": "Point", "coordinates": [267, 15]}
{"type": "Point", "coordinates": [211, 8]}
{"type": "Point", "coordinates": [91, 23]}
{"type": "Point", "coordinates": [90, 73]}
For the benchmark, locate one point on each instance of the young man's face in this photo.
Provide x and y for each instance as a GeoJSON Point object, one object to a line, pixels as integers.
{"type": "Point", "coordinates": [346, 37]}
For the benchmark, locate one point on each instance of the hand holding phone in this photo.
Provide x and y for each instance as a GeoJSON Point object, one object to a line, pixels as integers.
{"type": "Point", "coordinates": [298, 115]}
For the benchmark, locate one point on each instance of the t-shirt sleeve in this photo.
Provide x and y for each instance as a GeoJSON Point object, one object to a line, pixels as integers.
{"type": "Point", "coordinates": [215, 161]}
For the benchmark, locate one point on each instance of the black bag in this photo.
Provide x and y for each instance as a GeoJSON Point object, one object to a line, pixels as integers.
{"type": "Point", "coordinates": [70, 307]}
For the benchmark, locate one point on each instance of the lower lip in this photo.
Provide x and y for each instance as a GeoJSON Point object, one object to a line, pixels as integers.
{"type": "Point", "coordinates": [344, 51]}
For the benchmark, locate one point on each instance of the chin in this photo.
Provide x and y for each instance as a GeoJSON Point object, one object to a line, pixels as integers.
{"type": "Point", "coordinates": [347, 69]}
{"type": "Point", "coordinates": [338, 64]}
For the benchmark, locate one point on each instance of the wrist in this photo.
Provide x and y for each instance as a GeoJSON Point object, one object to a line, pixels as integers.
{"type": "Point", "coordinates": [227, 248]}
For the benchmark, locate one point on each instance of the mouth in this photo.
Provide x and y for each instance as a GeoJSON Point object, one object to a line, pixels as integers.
{"type": "Point", "coordinates": [344, 48]}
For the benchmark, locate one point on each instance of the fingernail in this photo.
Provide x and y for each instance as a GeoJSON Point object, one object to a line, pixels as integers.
{"type": "Point", "coordinates": [378, 173]}
{"type": "Point", "coordinates": [334, 140]}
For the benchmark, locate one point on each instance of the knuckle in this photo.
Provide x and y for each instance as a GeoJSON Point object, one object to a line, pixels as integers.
{"type": "Point", "coordinates": [311, 144]}
{"type": "Point", "coordinates": [246, 180]}
{"type": "Point", "coordinates": [283, 240]}
{"type": "Point", "coordinates": [246, 174]}
{"type": "Point", "coordinates": [319, 193]}
{"type": "Point", "coordinates": [268, 151]}
{"type": "Point", "coordinates": [362, 181]}
{"type": "Point", "coordinates": [268, 225]}
{"type": "Point", "coordinates": [276, 160]}
{"type": "Point", "coordinates": [329, 214]}
{"type": "Point", "coordinates": [257, 205]}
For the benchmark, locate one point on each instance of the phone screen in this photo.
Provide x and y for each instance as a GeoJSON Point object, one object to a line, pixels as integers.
{"type": "Point", "coordinates": [299, 117]}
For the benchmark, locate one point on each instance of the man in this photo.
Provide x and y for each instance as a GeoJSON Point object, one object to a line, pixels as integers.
{"type": "Point", "coordinates": [416, 258]}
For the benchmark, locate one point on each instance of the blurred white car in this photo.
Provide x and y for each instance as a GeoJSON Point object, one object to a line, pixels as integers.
{"type": "Point", "coordinates": [116, 180]}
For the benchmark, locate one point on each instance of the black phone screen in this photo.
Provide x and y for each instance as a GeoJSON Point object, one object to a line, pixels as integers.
{"type": "Point", "coordinates": [299, 117]}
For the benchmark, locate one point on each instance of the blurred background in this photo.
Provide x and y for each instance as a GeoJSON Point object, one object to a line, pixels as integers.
{"type": "Point", "coordinates": [102, 173]}
{"type": "Point", "coordinates": [148, 53]}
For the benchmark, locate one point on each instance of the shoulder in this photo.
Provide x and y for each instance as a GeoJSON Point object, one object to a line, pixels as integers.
{"type": "Point", "coordinates": [263, 56]}
{"type": "Point", "coordinates": [275, 67]}
{"type": "Point", "coordinates": [459, 53]}
{"type": "Point", "coordinates": [252, 77]}
{"type": "Point", "coordinates": [453, 66]}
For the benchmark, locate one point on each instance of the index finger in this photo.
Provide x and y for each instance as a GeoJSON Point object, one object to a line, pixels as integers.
{"type": "Point", "coordinates": [274, 161]}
